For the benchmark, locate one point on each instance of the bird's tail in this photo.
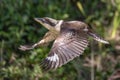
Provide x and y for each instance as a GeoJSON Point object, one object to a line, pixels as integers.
{"type": "Point", "coordinates": [97, 37]}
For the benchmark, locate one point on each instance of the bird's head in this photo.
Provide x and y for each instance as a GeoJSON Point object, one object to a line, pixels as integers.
{"type": "Point", "coordinates": [49, 23]}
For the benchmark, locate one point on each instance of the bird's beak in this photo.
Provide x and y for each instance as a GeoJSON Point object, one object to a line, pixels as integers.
{"type": "Point", "coordinates": [43, 22]}
{"type": "Point", "coordinates": [40, 20]}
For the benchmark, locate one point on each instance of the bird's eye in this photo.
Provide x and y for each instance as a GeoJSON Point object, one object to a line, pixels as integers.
{"type": "Point", "coordinates": [50, 22]}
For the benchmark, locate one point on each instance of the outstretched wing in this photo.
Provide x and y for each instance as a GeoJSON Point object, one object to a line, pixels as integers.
{"type": "Point", "coordinates": [49, 36]}
{"type": "Point", "coordinates": [69, 44]}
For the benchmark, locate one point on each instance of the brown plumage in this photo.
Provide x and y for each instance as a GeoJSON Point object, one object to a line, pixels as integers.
{"type": "Point", "coordinates": [71, 39]}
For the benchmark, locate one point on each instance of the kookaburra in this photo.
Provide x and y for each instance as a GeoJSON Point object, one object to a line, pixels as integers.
{"type": "Point", "coordinates": [71, 39]}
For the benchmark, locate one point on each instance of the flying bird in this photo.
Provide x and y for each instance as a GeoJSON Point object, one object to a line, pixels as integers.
{"type": "Point", "coordinates": [70, 40]}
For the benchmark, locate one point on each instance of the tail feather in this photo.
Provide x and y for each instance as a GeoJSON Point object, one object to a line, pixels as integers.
{"type": "Point", "coordinates": [98, 38]}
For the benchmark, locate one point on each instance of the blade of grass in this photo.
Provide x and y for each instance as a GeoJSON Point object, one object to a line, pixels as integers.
{"type": "Point", "coordinates": [116, 23]}
{"type": "Point", "coordinates": [80, 7]}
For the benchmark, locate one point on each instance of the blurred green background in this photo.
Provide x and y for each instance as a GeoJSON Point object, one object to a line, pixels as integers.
{"type": "Point", "coordinates": [17, 26]}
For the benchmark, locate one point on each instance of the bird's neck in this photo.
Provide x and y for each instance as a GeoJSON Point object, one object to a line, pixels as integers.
{"type": "Point", "coordinates": [58, 26]}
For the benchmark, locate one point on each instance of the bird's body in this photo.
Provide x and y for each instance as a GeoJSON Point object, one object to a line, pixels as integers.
{"type": "Point", "coordinates": [71, 39]}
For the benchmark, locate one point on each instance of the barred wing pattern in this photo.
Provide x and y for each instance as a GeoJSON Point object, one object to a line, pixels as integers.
{"type": "Point", "coordinates": [66, 47]}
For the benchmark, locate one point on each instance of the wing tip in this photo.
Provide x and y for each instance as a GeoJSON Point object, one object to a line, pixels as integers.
{"type": "Point", "coordinates": [98, 38]}
{"type": "Point", "coordinates": [104, 41]}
